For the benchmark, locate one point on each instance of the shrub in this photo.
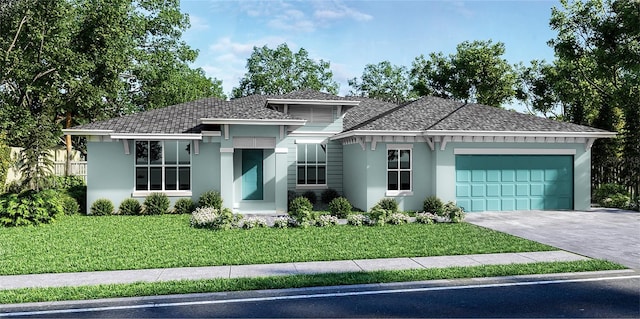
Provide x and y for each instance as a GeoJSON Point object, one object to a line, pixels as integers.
{"type": "Point", "coordinates": [102, 207]}
{"type": "Point", "coordinates": [203, 217]}
{"type": "Point", "coordinates": [130, 206]}
{"type": "Point", "coordinates": [389, 204]}
{"type": "Point", "coordinates": [30, 208]}
{"type": "Point", "coordinates": [210, 199]}
{"type": "Point", "coordinates": [379, 215]}
{"type": "Point", "coordinates": [290, 196]}
{"type": "Point", "coordinates": [635, 204]}
{"type": "Point", "coordinates": [326, 220]}
{"type": "Point", "coordinates": [79, 193]}
{"type": "Point", "coordinates": [66, 182]}
{"type": "Point", "coordinates": [184, 206]}
{"type": "Point", "coordinates": [398, 218]}
{"type": "Point", "coordinates": [426, 218]}
{"type": "Point", "coordinates": [340, 207]}
{"type": "Point", "coordinates": [69, 204]}
{"type": "Point", "coordinates": [226, 219]}
{"type": "Point", "coordinates": [300, 209]}
{"type": "Point", "coordinates": [604, 194]}
{"type": "Point", "coordinates": [254, 222]}
{"type": "Point", "coordinates": [453, 212]}
{"type": "Point", "coordinates": [311, 196]}
{"type": "Point", "coordinates": [328, 195]}
{"type": "Point", "coordinates": [616, 200]}
{"type": "Point", "coordinates": [156, 204]}
{"type": "Point", "coordinates": [433, 204]}
{"type": "Point", "coordinates": [282, 222]}
{"type": "Point", "coordinates": [357, 220]}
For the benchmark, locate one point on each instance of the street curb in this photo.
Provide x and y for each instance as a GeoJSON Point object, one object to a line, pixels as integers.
{"type": "Point", "coordinates": [71, 304]}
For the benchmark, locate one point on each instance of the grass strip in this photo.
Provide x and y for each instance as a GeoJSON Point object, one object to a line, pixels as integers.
{"type": "Point", "coordinates": [294, 281]}
{"type": "Point", "coordinates": [94, 243]}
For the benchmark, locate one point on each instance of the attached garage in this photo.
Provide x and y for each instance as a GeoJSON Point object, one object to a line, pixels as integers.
{"type": "Point", "coordinates": [514, 182]}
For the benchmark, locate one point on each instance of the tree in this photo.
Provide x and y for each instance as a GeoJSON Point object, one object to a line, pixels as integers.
{"type": "Point", "coordinates": [279, 71]}
{"type": "Point", "coordinates": [383, 81]}
{"type": "Point", "coordinates": [68, 62]}
{"type": "Point", "coordinates": [477, 72]}
{"type": "Point", "coordinates": [600, 40]}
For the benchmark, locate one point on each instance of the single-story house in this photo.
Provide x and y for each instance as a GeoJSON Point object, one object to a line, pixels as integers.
{"type": "Point", "coordinates": [256, 148]}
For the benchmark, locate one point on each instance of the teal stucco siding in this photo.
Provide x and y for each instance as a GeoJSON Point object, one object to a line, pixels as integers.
{"type": "Point", "coordinates": [109, 172]}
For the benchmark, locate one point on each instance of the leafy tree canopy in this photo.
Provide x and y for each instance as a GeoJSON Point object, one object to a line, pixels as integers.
{"type": "Point", "coordinates": [383, 81]}
{"type": "Point", "coordinates": [477, 72]}
{"type": "Point", "coordinates": [279, 71]}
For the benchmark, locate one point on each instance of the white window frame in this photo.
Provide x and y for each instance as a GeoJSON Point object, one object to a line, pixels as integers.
{"type": "Point", "coordinates": [306, 164]}
{"type": "Point", "coordinates": [162, 166]}
{"type": "Point", "coordinates": [399, 192]}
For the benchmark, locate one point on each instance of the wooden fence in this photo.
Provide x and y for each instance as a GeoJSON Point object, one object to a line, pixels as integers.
{"type": "Point", "coordinates": [619, 170]}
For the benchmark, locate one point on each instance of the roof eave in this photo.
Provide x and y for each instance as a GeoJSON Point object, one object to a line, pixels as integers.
{"type": "Point", "coordinates": [292, 122]}
{"type": "Point", "coordinates": [473, 133]}
{"type": "Point", "coordinates": [85, 132]}
{"type": "Point", "coordinates": [313, 102]}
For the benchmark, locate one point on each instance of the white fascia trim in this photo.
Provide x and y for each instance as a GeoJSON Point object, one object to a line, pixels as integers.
{"type": "Point", "coordinates": [153, 136]}
{"type": "Point", "coordinates": [377, 133]}
{"type": "Point", "coordinates": [80, 132]}
{"type": "Point", "coordinates": [311, 134]}
{"type": "Point", "coordinates": [313, 102]}
{"type": "Point", "coordinates": [519, 133]}
{"type": "Point", "coordinates": [253, 121]}
{"type": "Point", "coordinates": [211, 133]}
{"type": "Point", "coordinates": [168, 193]}
{"type": "Point", "coordinates": [310, 141]}
{"type": "Point", "coordinates": [512, 151]}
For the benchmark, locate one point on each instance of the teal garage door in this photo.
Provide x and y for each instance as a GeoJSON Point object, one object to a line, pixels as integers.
{"type": "Point", "coordinates": [514, 182]}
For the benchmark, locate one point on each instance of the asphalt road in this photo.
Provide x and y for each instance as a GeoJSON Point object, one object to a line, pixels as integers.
{"type": "Point", "coordinates": [609, 296]}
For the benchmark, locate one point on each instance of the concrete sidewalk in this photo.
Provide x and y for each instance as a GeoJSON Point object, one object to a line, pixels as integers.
{"type": "Point", "coordinates": [265, 270]}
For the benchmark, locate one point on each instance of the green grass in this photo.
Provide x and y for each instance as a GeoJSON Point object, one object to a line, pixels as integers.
{"type": "Point", "coordinates": [93, 243]}
{"type": "Point", "coordinates": [296, 281]}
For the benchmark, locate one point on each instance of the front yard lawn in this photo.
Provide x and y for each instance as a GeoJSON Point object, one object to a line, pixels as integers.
{"type": "Point", "coordinates": [92, 243]}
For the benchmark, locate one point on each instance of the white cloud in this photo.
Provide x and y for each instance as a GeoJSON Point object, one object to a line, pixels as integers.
{"type": "Point", "coordinates": [198, 23]}
{"type": "Point", "coordinates": [226, 60]}
{"type": "Point", "coordinates": [338, 10]}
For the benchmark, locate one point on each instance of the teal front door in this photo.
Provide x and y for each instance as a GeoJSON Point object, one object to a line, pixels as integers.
{"type": "Point", "coordinates": [514, 182]}
{"type": "Point", "coordinates": [252, 175]}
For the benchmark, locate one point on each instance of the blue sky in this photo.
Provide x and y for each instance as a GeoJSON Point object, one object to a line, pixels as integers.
{"type": "Point", "coordinates": [351, 34]}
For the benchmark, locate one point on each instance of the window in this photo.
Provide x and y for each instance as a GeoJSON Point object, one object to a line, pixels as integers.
{"type": "Point", "coordinates": [398, 170]}
{"type": "Point", "coordinates": [312, 164]}
{"type": "Point", "coordinates": [163, 165]}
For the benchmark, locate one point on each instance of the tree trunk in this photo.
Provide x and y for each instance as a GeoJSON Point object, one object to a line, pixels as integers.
{"type": "Point", "coordinates": [67, 169]}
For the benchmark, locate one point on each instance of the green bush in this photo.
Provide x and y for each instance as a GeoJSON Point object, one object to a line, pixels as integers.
{"type": "Point", "coordinates": [453, 212]}
{"type": "Point", "coordinates": [328, 195]}
{"type": "Point", "coordinates": [211, 199]}
{"type": "Point", "coordinates": [226, 219]}
{"type": "Point", "coordinates": [398, 218]}
{"type": "Point", "coordinates": [254, 222]}
{"type": "Point", "coordinates": [184, 206]}
{"type": "Point", "coordinates": [300, 209]}
{"type": "Point", "coordinates": [616, 200]}
{"type": "Point", "coordinates": [389, 204]}
{"type": "Point", "coordinates": [156, 204]}
{"type": "Point", "coordinates": [604, 195]}
{"type": "Point", "coordinates": [433, 204]}
{"type": "Point", "coordinates": [379, 215]}
{"type": "Point", "coordinates": [79, 193]}
{"type": "Point", "coordinates": [102, 207]}
{"type": "Point", "coordinates": [69, 204]}
{"type": "Point", "coordinates": [311, 196]}
{"type": "Point", "coordinates": [130, 206]}
{"type": "Point", "coordinates": [340, 207]}
{"type": "Point", "coordinates": [66, 182]}
{"type": "Point", "coordinates": [30, 208]}
{"type": "Point", "coordinates": [5, 161]}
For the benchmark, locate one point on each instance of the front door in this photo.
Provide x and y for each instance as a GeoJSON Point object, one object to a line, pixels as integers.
{"type": "Point", "coordinates": [252, 174]}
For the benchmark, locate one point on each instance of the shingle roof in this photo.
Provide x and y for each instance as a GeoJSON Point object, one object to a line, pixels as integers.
{"type": "Point", "coordinates": [433, 113]}
{"type": "Point", "coordinates": [428, 113]}
{"type": "Point", "coordinates": [184, 118]}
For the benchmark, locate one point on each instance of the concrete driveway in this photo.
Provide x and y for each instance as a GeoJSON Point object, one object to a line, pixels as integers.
{"type": "Point", "coordinates": [610, 234]}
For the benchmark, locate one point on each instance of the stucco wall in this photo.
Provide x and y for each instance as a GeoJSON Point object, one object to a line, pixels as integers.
{"type": "Point", "coordinates": [109, 172]}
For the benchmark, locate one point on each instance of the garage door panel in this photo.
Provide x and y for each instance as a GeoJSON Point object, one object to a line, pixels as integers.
{"type": "Point", "coordinates": [514, 182]}
{"type": "Point", "coordinates": [478, 190]}
{"type": "Point", "coordinates": [493, 190]}
{"type": "Point", "coordinates": [493, 175]}
{"type": "Point", "coordinates": [522, 175]}
{"type": "Point", "coordinates": [522, 190]}
{"type": "Point", "coordinates": [463, 190]}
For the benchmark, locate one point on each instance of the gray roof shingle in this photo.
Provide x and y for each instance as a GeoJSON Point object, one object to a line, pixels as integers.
{"type": "Point", "coordinates": [433, 113]}
{"type": "Point", "coordinates": [427, 113]}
